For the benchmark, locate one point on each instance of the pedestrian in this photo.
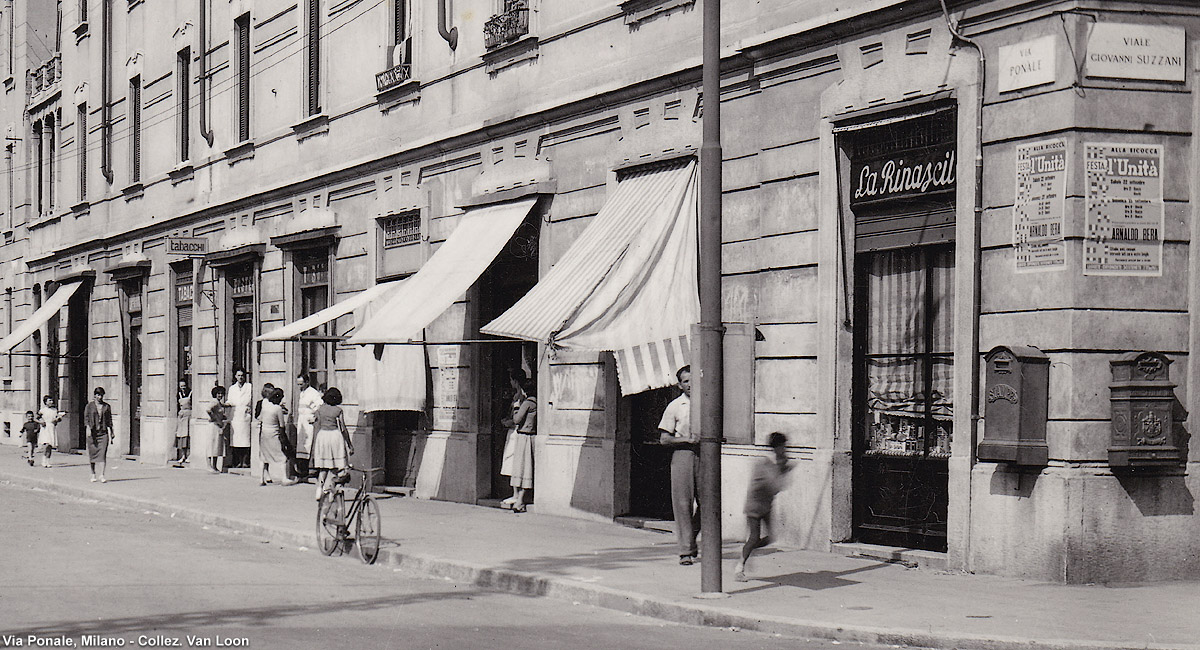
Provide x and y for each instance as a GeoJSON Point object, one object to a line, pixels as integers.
{"type": "Point", "coordinates": [767, 479]}
{"type": "Point", "coordinates": [675, 432]}
{"type": "Point", "coordinates": [264, 395]}
{"type": "Point", "coordinates": [29, 433]}
{"type": "Point", "coordinates": [218, 417]}
{"type": "Point", "coordinates": [331, 446]}
{"type": "Point", "coordinates": [308, 400]}
{"type": "Point", "coordinates": [241, 398]}
{"type": "Point", "coordinates": [518, 462]}
{"type": "Point", "coordinates": [183, 425]}
{"type": "Point", "coordinates": [49, 417]}
{"type": "Point", "coordinates": [272, 429]}
{"type": "Point", "coordinates": [97, 418]}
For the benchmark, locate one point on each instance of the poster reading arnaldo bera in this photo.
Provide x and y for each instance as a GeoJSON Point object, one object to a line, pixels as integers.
{"type": "Point", "coordinates": [1125, 217]}
{"type": "Point", "coordinates": [1039, 206]}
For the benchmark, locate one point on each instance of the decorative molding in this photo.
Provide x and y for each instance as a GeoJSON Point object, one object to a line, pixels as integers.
{"type": "Point", "coordinates": [639, 11]}
{"type": "Point", "coordinates": [519, 51]}
{"type": "Point", "coordinates": [311, 126]}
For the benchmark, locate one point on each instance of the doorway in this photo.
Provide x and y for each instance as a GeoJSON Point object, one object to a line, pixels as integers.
{"type": "Point", "coordinates": [403, 445]}
{"type": "Point", "coordinates": [649, 462]}
{"type": "Point", "coordinates": [132, 290]}
{"type": "Point", "coordinates": [78, 317]}
{"type": "Point", "coordinates": [241, 302]}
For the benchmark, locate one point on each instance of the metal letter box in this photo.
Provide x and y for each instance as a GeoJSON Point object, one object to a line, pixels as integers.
{"type": "Point", "coordinates": [1144, 412]}
{"type": "Point", "coordinates": [1017, 389]}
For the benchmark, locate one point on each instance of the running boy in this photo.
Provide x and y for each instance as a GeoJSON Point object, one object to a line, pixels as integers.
{"type": "Point", "coordinates": [767, 479]}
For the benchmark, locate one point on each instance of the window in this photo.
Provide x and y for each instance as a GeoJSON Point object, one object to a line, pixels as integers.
{"type": "Point", "coordinates": [241, 302]}
{"type": "Point", "coordinates": [51, 145]}
{"type": "Point", "coordinates": [243, 76]}
{"type": "Point", "coordinates": [312, 46]}
{"type": "Point", "coordinates": [401, 229]}
{"type": "Point", "coordinates": [183, 68]}
{"type": "Point", "coordinates": [401, 52]}
{"type": "Point", "coordinates": [8, 320]}
{"type": "Point", "coordinates": [184, 293]}
{"type": "Point", "coordinates": [9, 183]}
{"type": "Point", "coordinates": [83, 15]}
{"type": "Point", "coordinates": [40, 158]}
{"type": "Point", "coordinates": [312, 279]}
{"type": "Point", "coordinates": [135, 129]}
{"type": "Point", "coordinates": [81, 141]}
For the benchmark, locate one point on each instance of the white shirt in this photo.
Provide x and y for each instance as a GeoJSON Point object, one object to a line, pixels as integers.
{"type": "Point", "coordinates": [677, 418]}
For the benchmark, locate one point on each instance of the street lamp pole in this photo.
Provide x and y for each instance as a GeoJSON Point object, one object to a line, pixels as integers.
{"type": "Point", "coordinates": [711, 384]}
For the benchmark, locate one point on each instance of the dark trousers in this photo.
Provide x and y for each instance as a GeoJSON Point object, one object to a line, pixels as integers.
{"type": "Point", "coordinates": [685, 476]}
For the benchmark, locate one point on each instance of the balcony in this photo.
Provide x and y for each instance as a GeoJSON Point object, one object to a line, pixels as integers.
{"type": "Point", "coordinates": [43, 80]}
{"type": "Point", "coordinates": [392, 77]}
{"type": "Point", "coordinates": [507, 26]}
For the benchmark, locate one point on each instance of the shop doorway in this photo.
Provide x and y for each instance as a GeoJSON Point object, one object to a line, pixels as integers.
{"type": "Point", "coordinates": [76, 391]}
{"type": "Point", "coordinates": [649, 462]}
{"type": "Point", "coordinates": [241, 302]}
{"type": "Point", "coordinates": [133, 362]}
{"type": "Point", "coordinates": [403, 445]}
{"type": "Point", "coordinates": [507, 280]}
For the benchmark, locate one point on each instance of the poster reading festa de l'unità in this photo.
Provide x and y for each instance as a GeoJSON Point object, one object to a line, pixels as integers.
{"type": "Point", "coordinates": [1125, 216]}
{"type": "Point", "coordinates": [1039, 206]}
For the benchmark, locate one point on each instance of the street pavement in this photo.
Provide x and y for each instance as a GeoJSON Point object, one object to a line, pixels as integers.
{"type": "Point", "coordinates": [133, 575]}
{"type": "Point", "coordinates": [793, 592]}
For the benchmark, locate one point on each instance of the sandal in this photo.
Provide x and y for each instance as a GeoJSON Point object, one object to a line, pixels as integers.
{"type": "Point", "coordinates": [518, 507]}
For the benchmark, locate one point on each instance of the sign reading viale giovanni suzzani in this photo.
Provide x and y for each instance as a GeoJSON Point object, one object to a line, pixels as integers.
{"type": "Point", "coordinates": [1039, 206]}
{"type": "Point", "coordinates": [1125, 217]}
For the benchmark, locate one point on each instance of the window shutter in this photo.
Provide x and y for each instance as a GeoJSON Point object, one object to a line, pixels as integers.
{"type": "Point", "coordinates": [184, 103]}
{"type": "Point", "coordinates": [314, 57]}
{"type": "Point", "coordinates": [135, 126]}
{"type": "Point", "coordinates": [917, 225]}
{"type": "Point", "coordinates": [243, 31]}
{"type": "Point", "coordinates": [81, 142]}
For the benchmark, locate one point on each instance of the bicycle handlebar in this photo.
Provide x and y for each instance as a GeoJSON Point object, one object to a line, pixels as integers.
{"type": "Point", "coordinates": [369, 470]}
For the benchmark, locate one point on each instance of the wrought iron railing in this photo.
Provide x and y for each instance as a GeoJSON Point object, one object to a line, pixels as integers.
{"type": "Point", "coordinates": [508, 25]}
{"type": "Point", "coordinates": [393, 76]}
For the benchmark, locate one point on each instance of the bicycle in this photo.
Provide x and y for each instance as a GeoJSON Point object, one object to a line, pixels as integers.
{"type": "Point", "coordinates": [333, 521]}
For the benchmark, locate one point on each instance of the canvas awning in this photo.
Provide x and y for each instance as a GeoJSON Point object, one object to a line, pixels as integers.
{"type": "Point", "coordinates": [480, 236]}
{"type": "Point", "coordinates": [55, 302]}
{"type": "Point", "coordinates": [333, 312]}
{"type": "Point", "coordinates": [628, 284]}
{"type": "Point", "coordinates": [390, 377]}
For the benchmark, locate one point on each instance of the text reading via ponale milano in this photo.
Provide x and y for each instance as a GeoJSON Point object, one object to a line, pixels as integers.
{"type": "Point", "coordinates": [141, 641]}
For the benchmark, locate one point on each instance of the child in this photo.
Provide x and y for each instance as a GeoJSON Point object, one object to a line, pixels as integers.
{"type": "Point", "coordinates": [29, 431]}
{"type": "Point", "coordinates": [218, 415]}
{"type": "Point", "coordinates": [767, 479]}
{"type": "Point", "coordinates": [48, 417]}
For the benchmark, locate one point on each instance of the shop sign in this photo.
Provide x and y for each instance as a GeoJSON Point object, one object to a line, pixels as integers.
{"type": "Point", "coordinates": [187, 246]}
{"type": "Point", "coordinates": [1026, 64]}
{"type": "Point", "coordinates": [919, 172]}
{"type": "Point", "coordinates": [1125, 217]}
{"type": "Point", "coordinates": [1039, 206]}
{"type": "Point", "coordinates": [1129, 51]}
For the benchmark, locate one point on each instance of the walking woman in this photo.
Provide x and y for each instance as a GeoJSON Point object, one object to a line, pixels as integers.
{"type": "Point", "coordinates": [49, 416]}
{"type": "Point", "coordinates": [270, 436]}
{"type": "Point", "coordinates": [523, 426]}
{"type": "Point", "coordinates": [218, 417]}
{"type": "Point", "coordinates": [97, 417]}
{"type": "Point", "coordinates": [183, 426]}
{"type": "Point", "coordinates": [331, 444]}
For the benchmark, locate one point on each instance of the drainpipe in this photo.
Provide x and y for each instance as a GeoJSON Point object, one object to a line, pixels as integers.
{"type": "Point", "coordinates": [205, 131]}
{"type": "Point", "coordinates": [106, 91]}
{"type": "Point", "coordinates": [450, 34]}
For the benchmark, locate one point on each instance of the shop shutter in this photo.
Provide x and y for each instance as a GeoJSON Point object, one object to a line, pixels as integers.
{"type": "Point", "coordinates": [903, 226]}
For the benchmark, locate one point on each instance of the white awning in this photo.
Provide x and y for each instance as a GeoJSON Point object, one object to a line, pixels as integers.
{"type": "Point", "coordinates": [628, 284]}
{"type": "Point", "coordinates": [480, 236]}
{"type": "Point", "coordinates": [333, 312]}
{"type": "Point", "coordinates": [48, 309]}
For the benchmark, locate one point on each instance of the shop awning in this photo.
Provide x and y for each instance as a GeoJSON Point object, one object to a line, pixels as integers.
{"type": "Point", "coordinates": [480, 236]}
{"type": "Point", "coordinates": [390, 377]}
{"type": "Point", "coordinates": [55, 302]}
{"type": "Point", "coordinates": [628, 284]}
{"type": "Point", "coordinates": [330, 313]}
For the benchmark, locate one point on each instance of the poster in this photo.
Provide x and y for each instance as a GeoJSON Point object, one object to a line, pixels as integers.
{"type": "Point", "coordinates": [1040, 205]}
{"type": "Point", "coordinates": [1125, 217]}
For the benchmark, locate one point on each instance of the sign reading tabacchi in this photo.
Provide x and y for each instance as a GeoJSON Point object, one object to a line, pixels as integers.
{"type": "Point", "coordinates": [1125, 217]}
{"type": "Point", "coordinates": [1131, 51]}
{"type": "Point", "coordinates": [187, 246]}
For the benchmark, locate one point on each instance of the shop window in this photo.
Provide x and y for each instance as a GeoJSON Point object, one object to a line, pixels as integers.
{"type": "Point", "coordinates": [183, 297]}
{"type": "Point", "coordinates": [241, 291]}
{"type": "Point", "coordinates": [312, 281]}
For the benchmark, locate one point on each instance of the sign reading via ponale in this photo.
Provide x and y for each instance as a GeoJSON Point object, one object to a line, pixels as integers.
{"type": "Point", "coordinates": [918, 172]}
{"type": "Point", "coordinates": [187, 246]}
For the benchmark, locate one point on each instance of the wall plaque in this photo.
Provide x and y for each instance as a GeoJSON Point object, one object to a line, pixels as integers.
{"type": "Point", "coordinates": [1131, 51]}
{"type": "Point", "coordinates": [1029, 63]}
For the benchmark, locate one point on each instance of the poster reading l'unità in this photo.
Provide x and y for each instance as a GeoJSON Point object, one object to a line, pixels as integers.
{"type": "Point", "coordinates": [1039, 206]}
{"type": "Point", "coordinates": [1125, 216]}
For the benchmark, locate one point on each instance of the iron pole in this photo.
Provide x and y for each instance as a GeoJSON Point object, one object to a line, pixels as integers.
{"type": "Point", "coordinates": [711, 358]}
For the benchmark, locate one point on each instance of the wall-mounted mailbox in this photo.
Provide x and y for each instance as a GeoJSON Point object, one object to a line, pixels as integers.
{"type": "Point", "coordinates": [1016, 392]}
{"type": "Point", "coordinates": [1144, 412]}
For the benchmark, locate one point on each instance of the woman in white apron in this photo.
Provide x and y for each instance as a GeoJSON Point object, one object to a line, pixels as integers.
{"type": "Point", "coordinates": [307, 403]}
{"type": "Point", "coordinates": [241, 398]}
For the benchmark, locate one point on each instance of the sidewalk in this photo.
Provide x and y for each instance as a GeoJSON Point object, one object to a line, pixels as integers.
{"type": "Point", "coordinates": [796, 592]}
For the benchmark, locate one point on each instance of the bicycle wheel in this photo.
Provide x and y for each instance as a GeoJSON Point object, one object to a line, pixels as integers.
{"type": "Point", "coordinates": [331, 517]}
{"type": "Point", "coordinates": [367, 530]}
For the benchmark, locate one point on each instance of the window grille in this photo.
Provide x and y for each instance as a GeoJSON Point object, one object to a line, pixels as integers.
{"type": "Point", "coordinates": [401, 229]}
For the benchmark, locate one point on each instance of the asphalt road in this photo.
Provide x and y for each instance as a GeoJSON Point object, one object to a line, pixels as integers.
{"type": "Point", "coordinates": [74, 570]}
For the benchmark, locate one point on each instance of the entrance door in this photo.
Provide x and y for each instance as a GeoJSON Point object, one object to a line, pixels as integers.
{"type": "Point", "coordinates": [241, 302]}
{"type": "Point", "coordinates": [903, 398]}
{"type": "Point", "coordinates": [77, 393]}
{"type": "Point", "coordinates": [135, 387]}
{"type": "Point", "coordinates": [649, 462]}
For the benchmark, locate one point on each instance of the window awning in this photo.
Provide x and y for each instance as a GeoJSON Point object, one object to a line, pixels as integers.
{"type": "Point", "coordinates": [628, 284]}
{"type": "Point", "coordinates": [55, 302]}
{"type": "Point", "coordinates": [480, 236]}
{"type": "Point", "coordinates": [333, 312]}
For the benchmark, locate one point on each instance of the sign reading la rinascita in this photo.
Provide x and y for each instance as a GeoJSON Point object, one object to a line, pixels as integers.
{"type": "Point", "coordinates": [187, 246]}
{"type": "Point", "coordinates": [913, 173]}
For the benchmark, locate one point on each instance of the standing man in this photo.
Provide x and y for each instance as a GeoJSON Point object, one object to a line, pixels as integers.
{"type": "Point", "coordinates": [675, 431]}
{"type": "Point", "coordinates": [241, 398]}
{"type": "Point", "coordinates": [308, 400]}
{"type": "Point", "coordinates": [97, 417]}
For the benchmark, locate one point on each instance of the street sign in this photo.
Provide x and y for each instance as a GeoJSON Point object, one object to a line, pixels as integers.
{"type": "Point", "coordinates": [187, 246]}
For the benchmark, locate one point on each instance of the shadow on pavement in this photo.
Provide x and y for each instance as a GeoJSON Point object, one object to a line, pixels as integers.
{"type": "Point", "coordinates": [811, 580]}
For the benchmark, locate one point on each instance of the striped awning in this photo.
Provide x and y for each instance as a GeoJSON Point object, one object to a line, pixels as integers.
{"type": "Point", "coordinates": [460, 260]}
{"type": "Point", "coordinates": [628, 284]}
{"type": "Point", "coordinates": [294, 330]}
{"type": "Point", "coordinates": [55, 302]}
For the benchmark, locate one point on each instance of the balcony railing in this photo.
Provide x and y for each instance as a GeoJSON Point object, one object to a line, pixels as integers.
{"type": "Point", "coordinates": [392, 77]}
{"type": "Point", "coordinates": [44, 77]}
{"type": "Point", "coordinates": [507, 26]}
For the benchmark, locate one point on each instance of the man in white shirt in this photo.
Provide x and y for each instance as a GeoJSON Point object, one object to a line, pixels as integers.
{"type": "Point", "coordinates": [308, 400]}
{"type": "Point", "coordinates": [675, 431]}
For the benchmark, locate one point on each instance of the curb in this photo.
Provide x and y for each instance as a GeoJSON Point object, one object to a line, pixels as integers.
{"type": "Point", "coordinates": [532, 584]}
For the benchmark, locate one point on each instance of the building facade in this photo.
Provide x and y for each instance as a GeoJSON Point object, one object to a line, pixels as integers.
{"type": "Point", "coordinates": [946, 227]}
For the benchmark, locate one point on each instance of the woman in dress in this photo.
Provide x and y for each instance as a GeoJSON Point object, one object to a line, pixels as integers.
{"type": "Point", "coordinates": [97, 417]}
{"type": "Point", "coordinates": [49, 416]}
{"type": "Point", "coordinates": [331, 447]}
{"type": "Point", "coordinates": [218, 417]}
{"type": "Point", "coordinates": [270, 440]}
{"type": "Point", "coordinates": [183, 425]}
{"type": "Point", "coordinates": [522, 427]}
{"type": "Point", "coordinates": [241, 399]}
